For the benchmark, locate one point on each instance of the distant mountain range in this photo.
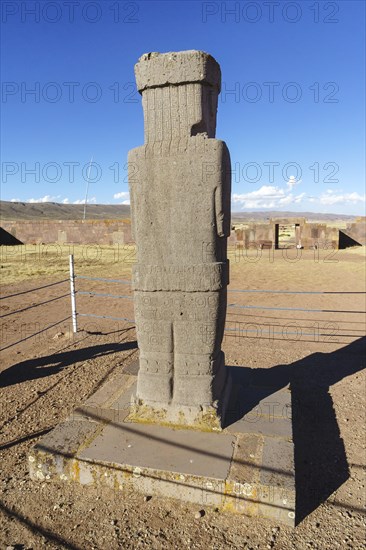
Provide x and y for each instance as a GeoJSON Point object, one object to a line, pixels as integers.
{"type": "Point", "coordinates": [57, 211]}
{"type": "Point", "coordinates": [266, 215]}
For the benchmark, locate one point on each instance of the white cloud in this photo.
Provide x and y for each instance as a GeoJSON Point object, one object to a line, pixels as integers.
{"type": "Point", "coordinates": [267, 196]}
{"type": "Point", "coordinates": [286, 200]}
{"type": "Point", "coordinates": [274, 197]}
{"type": "Point", "coordinates": [331, 197]}
{"type": "Point", "coordinates": [123, 195]}
{"type": "Point", "coordinates": [49, 198]}
{"type": "Point", "coordinates": [46, 198]}
{"type": "Point", "coordinates": [15, 200]}
{"type": "Point", "coordinates": [299, 198]}
{"type": "Point", "coordinates": [92, 200]}
{"type": "Point", "coordinates": [292, 182]}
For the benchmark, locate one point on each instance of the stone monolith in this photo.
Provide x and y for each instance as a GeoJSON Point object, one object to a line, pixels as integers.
{"type": "Point", "coordinates": [180, 206]}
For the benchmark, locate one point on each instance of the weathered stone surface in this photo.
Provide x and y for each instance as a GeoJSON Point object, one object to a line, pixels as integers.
{"type": "Point", "coordinates": [180, 205]}
{"type": "Point", "coordinates": [158, 70]}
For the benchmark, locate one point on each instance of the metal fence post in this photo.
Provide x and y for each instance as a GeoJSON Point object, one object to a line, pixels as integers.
{"type": "Point", "coordinates": [72, 292]}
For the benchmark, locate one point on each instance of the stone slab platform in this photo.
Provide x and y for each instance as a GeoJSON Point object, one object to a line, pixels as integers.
{"type": "Point", "coordinates": [247, 468]}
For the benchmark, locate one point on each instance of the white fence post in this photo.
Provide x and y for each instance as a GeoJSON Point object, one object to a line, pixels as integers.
{"type": "Point", "coordinates": [72, 292]}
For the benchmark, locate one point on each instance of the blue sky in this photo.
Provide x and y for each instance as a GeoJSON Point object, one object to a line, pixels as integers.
{"type": "Point", "coordinates": [291, 108]}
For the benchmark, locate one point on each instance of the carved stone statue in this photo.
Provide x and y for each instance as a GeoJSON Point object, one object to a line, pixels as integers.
{"type": "Point", "coordinates": [180, 204]}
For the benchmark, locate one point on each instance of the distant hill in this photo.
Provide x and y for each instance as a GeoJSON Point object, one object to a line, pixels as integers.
{"type": "Point", "coordinates": [57, 211]}
{"type": "Point", "coordinates": [242, 217]}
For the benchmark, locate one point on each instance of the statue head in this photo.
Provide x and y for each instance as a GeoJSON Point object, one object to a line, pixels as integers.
{"type": "Point", "coordinates": [179, 94]}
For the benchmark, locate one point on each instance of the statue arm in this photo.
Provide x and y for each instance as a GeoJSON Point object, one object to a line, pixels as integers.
{"type": "Point", "coordinates": [223, 197]}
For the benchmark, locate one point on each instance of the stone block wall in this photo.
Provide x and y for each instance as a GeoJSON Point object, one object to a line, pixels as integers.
{"type": "Point", "coordinates": [102, 232]}
{"type": "Point", "coordinates": [307, 235]}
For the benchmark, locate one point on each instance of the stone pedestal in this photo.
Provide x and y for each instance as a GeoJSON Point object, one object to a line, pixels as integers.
{"type": "Point", "coordinates": [247, 468]}
{"type": "Point", "coordinates": [180, 206]}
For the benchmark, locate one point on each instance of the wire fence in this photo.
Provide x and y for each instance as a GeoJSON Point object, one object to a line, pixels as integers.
{"type": "Point", "coordinates": [75, 314]}
{"type": "Point", "coordinates": [256, 322]}
{"type": "Point", "coordinates": [24, 337]}
{"type": "Point", "coordinates": [32, 290]}
{"type": "Point", "coordinates": [267, 329]}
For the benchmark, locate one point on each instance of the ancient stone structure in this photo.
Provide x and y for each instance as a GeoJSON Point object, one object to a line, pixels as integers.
{"type": "Point", "coordinates": [180, 206]}
{"type": "Point", "coordinates": [68, 232]}
{"type": "Point", "coordinates": [282, 233]}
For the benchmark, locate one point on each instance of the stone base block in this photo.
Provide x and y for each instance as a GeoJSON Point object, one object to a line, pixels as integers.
{"type": "Point", "coordinates": [204, 419]}
{"type": "Point", "coordinates": [247, 468]}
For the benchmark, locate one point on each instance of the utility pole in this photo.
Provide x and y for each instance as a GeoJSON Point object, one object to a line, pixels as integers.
{"type": "Point", "coordinates": [87, 188]}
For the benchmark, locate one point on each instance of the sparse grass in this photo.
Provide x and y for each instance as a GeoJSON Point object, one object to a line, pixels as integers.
{"type": "Point", "coordinates": [358, 250]}
{"type": "Point", "coordinates": [19, 263]}
{"type": "Point", "coordinates": [24, 262]}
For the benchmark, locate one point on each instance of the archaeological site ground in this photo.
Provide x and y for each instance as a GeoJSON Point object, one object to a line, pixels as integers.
{"type": "Point", "coordinates": [47, 373]}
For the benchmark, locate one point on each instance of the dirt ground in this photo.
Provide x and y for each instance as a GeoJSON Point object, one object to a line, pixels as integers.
{"type": "Point", "coordinates": [46, 372]}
